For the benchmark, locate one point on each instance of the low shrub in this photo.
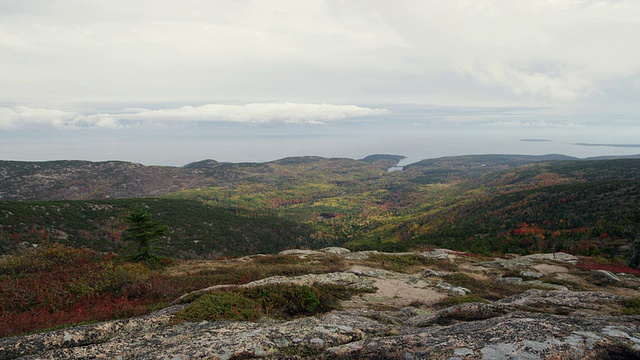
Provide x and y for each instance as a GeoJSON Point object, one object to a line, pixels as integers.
{"type": "Point", "coordinates": [220, 306]}
{"type": "Point", "coordinates": [456, 300]}
{"type": "Point", "coordinates": [278, 301]}
{"type": "Point", "coordinates": [486, 289]}
{"type": "Point", "coordinates": [631, 306]}
{"type": "Point", "coordinates": [409, 263]}
{"type": "Point", "coordinates": [589, 264]}
{"type": "Point", "coordinates": [56, 285]}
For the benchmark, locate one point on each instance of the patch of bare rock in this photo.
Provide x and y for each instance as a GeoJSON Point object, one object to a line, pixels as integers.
{"type": "Point", "coordinates": [398, 321]}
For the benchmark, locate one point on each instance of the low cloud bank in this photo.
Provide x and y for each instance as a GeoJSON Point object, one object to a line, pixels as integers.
{"type": "Point", "coordinates": [22, 117]}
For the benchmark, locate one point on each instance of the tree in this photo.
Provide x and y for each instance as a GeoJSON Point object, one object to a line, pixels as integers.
{"type": "Point", "coordinates": [144, 233]}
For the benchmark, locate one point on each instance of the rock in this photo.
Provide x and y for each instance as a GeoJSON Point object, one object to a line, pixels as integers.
{"type": "Point", "coordinates": [514, 336]}
{"type": "Point", "coordinates": [537, 324]}
{"type": "Point", "coordinates": [335, 250]}
{"type": "Point", "coordinates": [527, 260]}
{"type": "Point", "coordinates": [299, 252]}
{"type": "Point", "coordinates": [221, 340]}
{"type": "Point", "coordinates": [85, 335]}
{"type": "Point", "coordinates": [377, 273]}
{"type": "Point", "coordinates": [510, 264]}
{"type": "Point", "coordinates": [442, 254]}
{"type": "Point", "coordinates": [458, 290]}
{"type": "Point", "coordinates": [360, 255]}
{"type": "Point", "coordinates": [429, 272]}
{"type": "Point", "coordinates": [510, 280]}
{"type": "Point", "coordinates": [462, 312]}
{"type": "Point", "coordinates": [559, 301]}
{"type": "Point", "coordinates": [337, 278]}
{"type": "Point", "coordinates": [559, 256]}
{"type": "Point", "coordinates": [607, 275]}
{"type": "Point", "coordinates": [545, 285]}
{"type": "Point", "coordinates": [531, 274]}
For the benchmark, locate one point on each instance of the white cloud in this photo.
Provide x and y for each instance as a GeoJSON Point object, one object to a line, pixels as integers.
{"type": "Point", "coordinates": [315, 50]}
{"type": "Point", "coordinates": [553, 49]}
{"type": "Point", "coordinates": [291, 113]}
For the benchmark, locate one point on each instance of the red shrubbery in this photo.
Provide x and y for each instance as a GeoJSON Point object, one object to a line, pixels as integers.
{"type": "Point", "coordinates": [589, 264]}
{"type": "Point", "coordinates": [57, 285]}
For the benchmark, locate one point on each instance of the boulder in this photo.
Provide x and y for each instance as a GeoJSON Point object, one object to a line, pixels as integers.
{"type": "Point", "coordinates": [559, 257]}
{"type": "Point", "coordinates": [430, 272]}
{"type": "Point", "coordinates": [335, 250]}
{"type": "Point", "coordinates": [509, 280]}
{"type": "Point", "coordinates": [457, 290]}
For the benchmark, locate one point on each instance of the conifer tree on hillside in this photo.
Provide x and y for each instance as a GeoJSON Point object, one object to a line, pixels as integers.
{"type": "Point", "coordinates": [144, 233]}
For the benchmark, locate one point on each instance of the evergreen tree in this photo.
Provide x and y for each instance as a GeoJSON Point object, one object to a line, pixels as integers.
{"type": "Point", "coordinates": [144, 233]}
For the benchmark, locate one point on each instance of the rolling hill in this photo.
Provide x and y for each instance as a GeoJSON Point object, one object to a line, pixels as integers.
{"type": "Point", "coordinates": [482, 203]}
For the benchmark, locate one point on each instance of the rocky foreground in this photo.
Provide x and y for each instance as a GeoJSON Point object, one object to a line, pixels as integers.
{"type": "Point", "coordinates": [562, 313]}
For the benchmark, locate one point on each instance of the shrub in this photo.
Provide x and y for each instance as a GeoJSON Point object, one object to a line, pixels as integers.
{"type": "Point", "coordinates": [56, 285]}
{"type": "Point", "coordinates": [408, 263]}
{"type": "Point", "coordinates": [456, 300]}
{"type": "Point", "coordinates": [487, 289]}
{"type": "Point", "coordinates": [278, 301]}
{"type": "Point", "coordinates": [221, 306]}
{"type": "Point", "coordinates": [631, 306]}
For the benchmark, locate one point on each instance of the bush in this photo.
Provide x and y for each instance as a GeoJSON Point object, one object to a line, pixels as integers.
{"type": "Point", "coordinates": [278, 301]}
{"type": "Point", "coordinates": [487, 289]}
{"type": "Point", "coordinates": [221, 306]}
{"type": "Point", "coordinates": [408, 263]}
{"type": "Point", "coordinates": [55, 285]}
{"type": "Point", "coordinates": [457, 300]}
{"type": "Point", "coordinates": [631, 306]}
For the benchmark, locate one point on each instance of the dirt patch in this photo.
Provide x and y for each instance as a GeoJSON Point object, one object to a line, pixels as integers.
{"type": "Point", "coordinates": [396, 291]}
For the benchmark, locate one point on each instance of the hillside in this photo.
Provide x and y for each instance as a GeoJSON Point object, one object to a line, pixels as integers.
{"type": "Point", "coordinates": [84, 180]}
{"type": "Point", "coordinates": [576, 206]}
{"type": "Point", "coordinates": [196, 230]}
{"type": "Point", "coordinates": [486, 203]}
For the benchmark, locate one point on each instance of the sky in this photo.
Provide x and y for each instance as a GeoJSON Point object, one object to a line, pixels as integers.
{"type": "Point", "coordinates": [165, 82]}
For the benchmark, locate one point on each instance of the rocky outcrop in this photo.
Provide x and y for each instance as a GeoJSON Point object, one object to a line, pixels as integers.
{"type": "Point", "coordinates": [535, 324]}
{"type": "Point", "coordinates": [339, 278]}
{"type": "Point", "coordinates": [514, 336]}
{"type": "Point", "coordinates": [467, 331]}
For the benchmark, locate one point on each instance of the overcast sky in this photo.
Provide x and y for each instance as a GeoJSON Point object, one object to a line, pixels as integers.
{"type": "Point", "coordinates": [168, 82]}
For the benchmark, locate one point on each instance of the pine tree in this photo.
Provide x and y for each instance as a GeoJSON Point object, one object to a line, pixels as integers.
{"type": "Point", "coordinates": [144, 233]}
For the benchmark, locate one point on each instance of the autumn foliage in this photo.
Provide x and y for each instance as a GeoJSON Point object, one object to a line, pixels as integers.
{"type": "Point", "coordinates": [56, 285]}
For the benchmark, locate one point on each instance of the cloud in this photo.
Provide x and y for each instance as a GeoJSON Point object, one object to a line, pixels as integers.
{"type": "Point", "coordinates": [609, 145]}
{"type": "Point", "coordinates": [562, 85]}
{"type": "Point", "coordinates": [555, 49]}
{"type": "Point", "coordinates": [430, 51]}
{"type": "Point", "coordinates": [290, 113]}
